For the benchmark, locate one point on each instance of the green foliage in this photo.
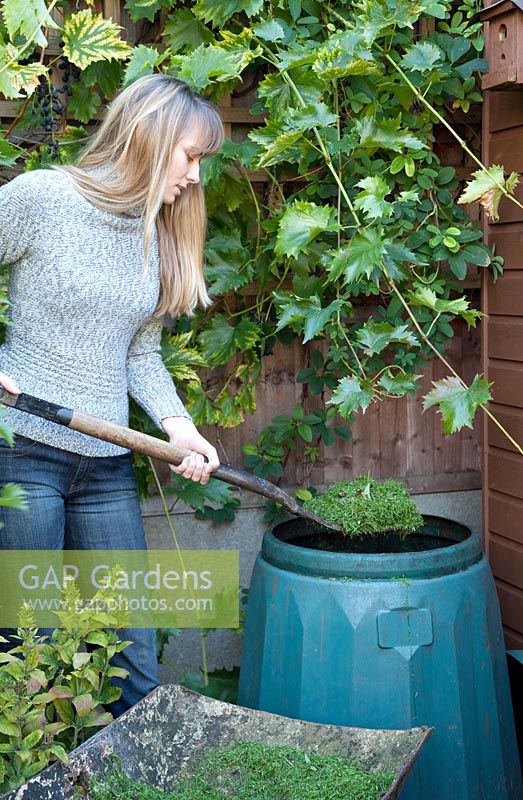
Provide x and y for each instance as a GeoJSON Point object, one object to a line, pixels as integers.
{"type": "Point", "coordinates": [359, 207]}
{"type": "Point", "coordinates": [456, 402]}
{"type": "Point", "coordinates": [89, 37]}
{"type": "Point", "coordinates": [300, 225]}
{"type": "Point", "coordinates": [142, 61]}
{"type": "Point", "coordinates": [52, 692]}
{"type": "Point", "coordinates": [13, 496]}
{"type": "Point", "coordinates": [487, 186]}
{"type": "Point", "coordinates": [183, 32]}
{"type": "Point", "coordinates": [222, 684]}
{"type": "Point", "coordinates": [8, 153]}
{"type": "Point", "coordinates": [213, 501]}
{"type": "Point", "coordinates": [27, 19]}
{"type": "Point", "coordinates": [209, 64]}
{"type": "Point", "coordinates": [163, 638]}
{"type": "Point", "coordinates": [367, 507]}
{"type": "Point", "coordinates": [144, 9]}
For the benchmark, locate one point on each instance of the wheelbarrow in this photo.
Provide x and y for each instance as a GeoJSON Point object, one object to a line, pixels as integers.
{"type": "Point", "coordinates": [161, 735]}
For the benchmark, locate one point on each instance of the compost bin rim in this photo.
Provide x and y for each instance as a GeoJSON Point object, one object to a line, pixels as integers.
{"type": "Point", "coordinates": [386, 566]}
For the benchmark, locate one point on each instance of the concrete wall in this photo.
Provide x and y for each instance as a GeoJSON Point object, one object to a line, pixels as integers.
{"type": "Point", "coordinates": [245, 534]}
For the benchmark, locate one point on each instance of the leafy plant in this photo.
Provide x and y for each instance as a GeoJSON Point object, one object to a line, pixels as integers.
{"type": "Point", "coordinates": [222, 684]}
{"type": "Point", "coordinates": [360, 207]}
{"type": "Point", "coordinates": [52, 692]}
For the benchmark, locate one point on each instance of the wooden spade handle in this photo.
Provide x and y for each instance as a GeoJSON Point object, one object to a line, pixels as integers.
{"type": "Point", "coordinates": [126, 437]}
{"type": "Point", "coordinates": [151, 446]}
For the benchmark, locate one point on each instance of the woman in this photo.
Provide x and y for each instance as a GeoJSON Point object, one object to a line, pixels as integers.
{"type": "Point", "coordinates": [100, 251]}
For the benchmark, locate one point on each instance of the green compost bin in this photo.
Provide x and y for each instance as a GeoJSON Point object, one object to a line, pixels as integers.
{"type": "Point", "coordinates": [388, 634]}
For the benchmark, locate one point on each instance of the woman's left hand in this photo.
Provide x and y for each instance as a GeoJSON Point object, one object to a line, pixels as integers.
{"type": "Point", "coordinates": [182, 432]}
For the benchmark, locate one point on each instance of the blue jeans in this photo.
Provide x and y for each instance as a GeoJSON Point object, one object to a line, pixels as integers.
{"type": "Point", "coordinates": [81, 503]}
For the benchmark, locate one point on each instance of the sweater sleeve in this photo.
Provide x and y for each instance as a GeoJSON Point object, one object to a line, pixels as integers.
{"type": "Point", "coordinates": [148, 380]}
{"type": "Point", "coordinates": [17, 217]}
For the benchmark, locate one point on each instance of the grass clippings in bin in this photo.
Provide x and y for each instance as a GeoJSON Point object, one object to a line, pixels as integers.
{"type": "Point", "coordinates": [255, 771]}
{"type": "Point", "coordinates": [365, 506]}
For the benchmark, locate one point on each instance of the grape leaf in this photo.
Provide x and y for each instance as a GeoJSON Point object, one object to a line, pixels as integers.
{"type": "Point", "coordinates": [141, 62]}
{"type": "Point", "coordinates": [344, 54]}
{"type": "Point", "coordinates": [306, 310]}
{"type": "Point", "coordinates": [372, 199]}
{"type": "Point", "coordinates": [184, 32]}
{"type": "Point", "coordinates": [180, 357]}
{"type": "Point", "coordinates": [279, 96]}
{"type": "Point", "coordinates": [365, 253]}
{"type": "Point", "coordinates": [83, 102]}
{"type": "Point", "coordinates": [484, 188]}
{"type": "Point", "coordinates": [279, 135]}
{"type": "Point", "coordinates": [409, 196]}
{"type": "Point", "coordinates": [221, 340]}
{"type": "Point", "coordinates": [9, 152]}
{"type": "Point", "coordinates": [423, 296]}
{"type": "Point", "coordinates": [396, 254]}
{"type": "Point", "coordinates": [145, 9]}
{"type": "Point", "coordinates": [332, 66]}
{"type": "Point", "coordinates": [14, 76]}
{"type": "Point", "coordinates": [351, 395]}
{"type": "Point", "coordinates": [374, 337]}
{"type": "Point", "coordinates": [105, 75]}
{"type": "Point", "coordinates": [380, 16]}
{"type": "Point", "coordinates": [227, 266]}
{"type": "Point", "coordinates": [26, 17]}
{"type": "Point", "coordinates": [422, 57]}
{"type": "Point", "coordinates": [298, 55]}
{"type": "Point", "coordinates": [269, 31]}
{"type": "Point", "coordinates": [276, 148]}
{"type": "Point", "coordinates": [398, 384]}
{"type": "Point", "coordinates": [312, 116]}
{"type": "Point", "coordinates": [28, 76]}
{"type": "Point", "coordinates": [89, 37]}
{"type": "Point", "coordinates": [386, 134]}
{"type": "Point", "coordinates": [198, 404]}
{"type": "Point", "coordinates": [336, 262]}
{"type": "Point", "coordinates": [218, 12]}
{"type": "Point", "coordinates": [456, 402]}
{"type": "Point", "coordinates": [209, 63]}
{"type": "Point", "coordinates": [300, 224]}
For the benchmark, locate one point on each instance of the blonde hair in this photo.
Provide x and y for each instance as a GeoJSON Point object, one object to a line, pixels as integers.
{"type": "Point", "coordinates": [136, 140]}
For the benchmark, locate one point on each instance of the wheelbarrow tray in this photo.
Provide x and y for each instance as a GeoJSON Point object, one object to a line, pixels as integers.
{"type": "Point", "coordinates": [161, 735]}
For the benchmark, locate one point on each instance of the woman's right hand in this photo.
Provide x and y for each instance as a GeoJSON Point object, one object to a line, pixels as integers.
{"type": "Point", "coordinates": [9, 384]}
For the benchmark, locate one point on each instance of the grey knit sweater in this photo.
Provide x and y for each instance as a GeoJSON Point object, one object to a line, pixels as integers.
{"type": "Point", "coordinates": [83, 334]}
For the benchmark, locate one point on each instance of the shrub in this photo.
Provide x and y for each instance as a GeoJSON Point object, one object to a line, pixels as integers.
{"type": "Point", "coordinates": [53, 691]}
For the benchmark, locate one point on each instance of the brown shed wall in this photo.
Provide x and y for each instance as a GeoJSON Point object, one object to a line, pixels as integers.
{"type": "Point", "coordinates": [503, 364]}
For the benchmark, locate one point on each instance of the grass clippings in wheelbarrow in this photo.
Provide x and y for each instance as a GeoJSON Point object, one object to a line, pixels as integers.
{"type": "Point", "coordinates": [254, 771]}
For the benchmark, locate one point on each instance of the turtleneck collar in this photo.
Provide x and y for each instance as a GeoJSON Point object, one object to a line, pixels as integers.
{"type": "Point", "coordinates": [100, 172]}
